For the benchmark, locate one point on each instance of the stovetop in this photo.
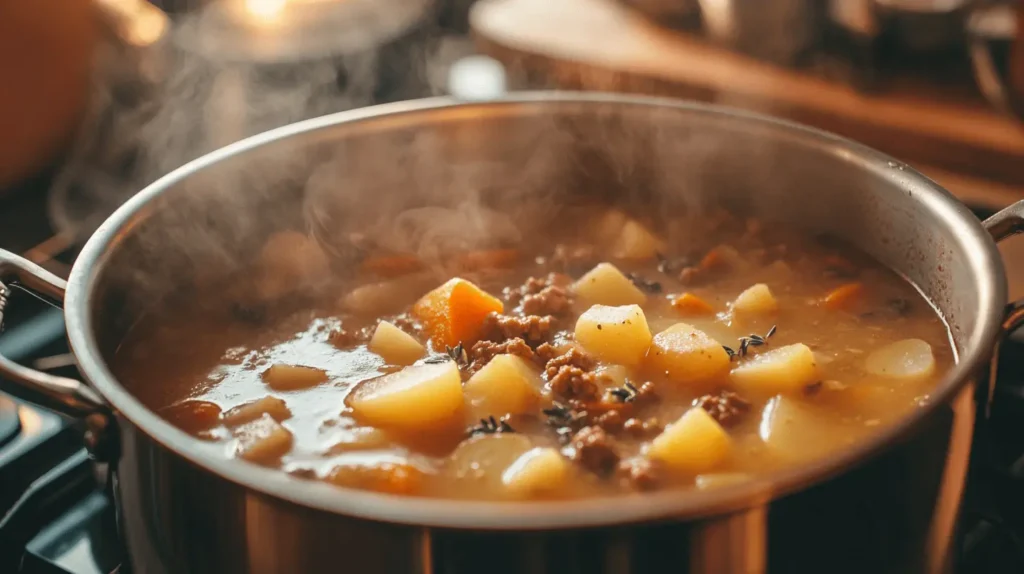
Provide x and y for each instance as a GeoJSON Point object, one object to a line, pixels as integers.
{"type": "Point", "coordinates": [58, 516]}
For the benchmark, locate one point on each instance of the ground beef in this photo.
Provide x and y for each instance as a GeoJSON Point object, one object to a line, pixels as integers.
{"type": "Point", "coordinates": [535, 285]}
{"type": "Point", "coordinates": [594, 449]}
{"type": "Point", "coordinates": [532, 329]}
{"type": "Point", "coordinates": [572, 358]}
{"type": "Point", "coordinates": [551, 300]}
{"type": "Point", "coordinates": [726, 407]}
{"type": "Point", "coordinates": [611, 421]}
{"type": "Point", "coordinates": [483, 351]}
{"type": "Point", "coordinates": [642, 428]}
{"type": "Point", "coordinates": [574, 383]}
{"type": "Point", "coordinates": [342, 338]}
{"type": "Point", "coordinates": [547, 352]}
{"type": "Point", "coordinates": [645, 394]}
{"type": "Point", "coordinates": [407, 323]}
{"type": "Point", "coordinates": [641, 472]}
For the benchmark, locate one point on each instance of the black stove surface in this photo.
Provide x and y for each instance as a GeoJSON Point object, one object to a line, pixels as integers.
{"type": "Point", "coordinates": [58, 516]}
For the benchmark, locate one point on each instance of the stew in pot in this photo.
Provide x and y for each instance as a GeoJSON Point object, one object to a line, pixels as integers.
{"type": "Point", "coordinates": [612, 362]}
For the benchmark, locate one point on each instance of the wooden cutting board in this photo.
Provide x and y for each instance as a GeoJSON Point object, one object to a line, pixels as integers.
{"type": "Point", "coordinates": [951, 134]}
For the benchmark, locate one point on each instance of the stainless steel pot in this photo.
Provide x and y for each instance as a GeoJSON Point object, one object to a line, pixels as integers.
{"type": "Point", "coordinates": [888, 505]}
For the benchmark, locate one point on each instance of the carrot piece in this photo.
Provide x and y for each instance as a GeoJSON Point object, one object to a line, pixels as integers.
{"type": "Point", "coordinates": [455, 312]}
{"type": "Point", "coordinates": [712, 260]}
{"type": "Point", "coordinates": [391, 265]}
{"type": "Point", "coordinates": [488, 259]}
{"type": "Point", "coordinates": [690, 304]}
{"type": "Point", "coordinates": [844, 296]}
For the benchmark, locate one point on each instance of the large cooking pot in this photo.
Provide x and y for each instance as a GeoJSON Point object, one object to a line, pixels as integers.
{"type": "Point", "coordinates": [887, 505]}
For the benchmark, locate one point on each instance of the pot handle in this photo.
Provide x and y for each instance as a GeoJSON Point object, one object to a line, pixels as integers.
{"type": "Point", "coordinates": [64, 395]}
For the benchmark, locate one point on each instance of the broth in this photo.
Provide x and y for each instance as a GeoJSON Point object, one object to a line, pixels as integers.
{"type": "Point", "coordinates": [610, 363]}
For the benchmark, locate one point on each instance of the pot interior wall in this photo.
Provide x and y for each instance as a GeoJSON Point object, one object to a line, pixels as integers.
{"type": "Point", "coordinates": [523, 159]}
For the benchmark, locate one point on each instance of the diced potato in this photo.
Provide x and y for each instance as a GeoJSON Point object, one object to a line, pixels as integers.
{"type": "Point", "coordinates": [784, 370]}
{"type": "Point", "coordinates": [539, 471]}
{"type": "Point", "coordinates": [193, 416]}
{"type": "Point", "coordinates": [614, 334]}
{"type": "Point", "coordinates": [481, 460]}
{"type": "Point", "coordinates": [606, 285]}
{"type": "Point", "coordinates": [756, 300]}
{"type": "Point", "coordinates": [507, 384]}
{"type": "Point", "coordinates": [419, 398]}
{"type": "Point", "coordinates": [252, 410]}
{"type": "Point", "coordinates": [287, 259]}
{"type": "Point", "coordinates": [843, 297]}
{"type": "Point", "coordinates": [387, 477]}
{"type": "Point", "coordinates": [282, 377]}
{"type": "Point", "coordinates": [694, 444]}
{"type": "Point", "coordinates": [796, 430]}
{"type": "Point", "coordinates": [607, 226]}
{"type": "Point", "coordinates": [386, 296]}
{"type": "Point", "coordinates": [720, 479]}
{"type": "Point", "coordinates": [262, 440]}
{"type": "Point", "coordinates": [395, 345]}
{"type": "Point", "coordinates": [636, 242]}
{"type": "Point", "coordinates": [455, 312]}
{"type": "Point", "coordinates": [690, 304]}
{"type": "Point", "coordinates": [360, 438]}
{"type": "Point", "coordinates": [908, 359]}
{"type": "Point", "coordinates": [687, 355]}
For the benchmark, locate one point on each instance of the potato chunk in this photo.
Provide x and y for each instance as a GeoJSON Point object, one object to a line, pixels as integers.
{"type": "Point", "coordinates": [282, 377]}
{"type": "Point", "coordinates": [262, 440]}
{"type": "Point", "coordinates": [387, 477]}
{"type": "Point", "coordinates": [606, 285]}
{"type": "Point", "coordinates": [614, 334]}
{"type": "Point", "coordinates": [636, 242]}
{"type": "Point", "coordinates": [687, 355]}
{"type": "Point", "coordinates": [795, 430]}
{"type": "Point", "coordinates": [756, 300]}
{"type": "Point", "coordinates": [455, 312]}
{"type": "Point", "coordinates": [481, 460]}
{"type": "Point", "coordinates": [395, 345]}
{"type": "Point", "coordinates": [539, 471]}
{"type": "Point", "coordinates": [784, 370]}
{"type": "Point", "coordinates": [506, 385]}
{"type": "Point", "coordinates": [424, 397]}
{"type": "Point", "coordinates": [908, 359]}
{"type": "Point", "coordinates": [252, 410]}
{"type": "Point", "coordinates": [694, 444]}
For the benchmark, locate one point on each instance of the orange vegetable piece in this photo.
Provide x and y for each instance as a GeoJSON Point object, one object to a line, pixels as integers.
{"type": "Point", "coordinates": [690, 304]}
{"type": "Point", "coordinates": [488, 259]}
{"type": "Point", "coordinates": [390, 478]}
{"type": "Point", "coordinates": [389, 266]}
{"type": "Point", "coordinates": [712, 260]}
{"type": "Point", "coordinates": [455, 312]}
{"type": "Point", "coordinates": [844, 296]}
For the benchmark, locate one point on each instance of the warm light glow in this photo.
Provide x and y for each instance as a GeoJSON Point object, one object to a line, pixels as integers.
{"type": "Point", "coordinates": [266, 10]}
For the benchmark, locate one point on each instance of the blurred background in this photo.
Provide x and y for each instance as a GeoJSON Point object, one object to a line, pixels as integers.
{"type": "Point", "coordinates": [100, 97]}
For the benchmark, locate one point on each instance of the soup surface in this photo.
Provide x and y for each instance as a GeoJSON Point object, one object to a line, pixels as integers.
{"type": "Point", "coordinates": [613, 362]}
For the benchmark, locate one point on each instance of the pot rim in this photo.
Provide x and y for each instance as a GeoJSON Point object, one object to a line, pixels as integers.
{"type": "Point", "coordinates": [662, 505]}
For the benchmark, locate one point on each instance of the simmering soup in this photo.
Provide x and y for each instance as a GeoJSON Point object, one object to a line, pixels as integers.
{"type": "Point", "coordinates": [610, 362]}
